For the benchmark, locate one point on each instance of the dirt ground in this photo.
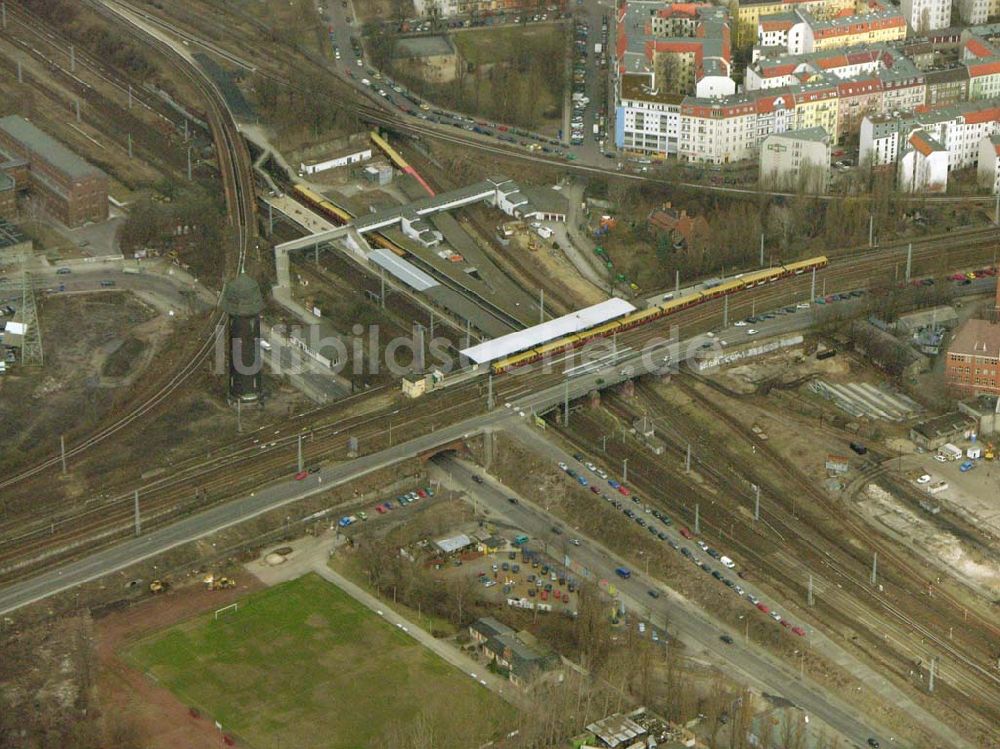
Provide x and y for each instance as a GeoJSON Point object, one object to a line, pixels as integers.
{"type": "Point", "coordinates": [162, 719]}
{"type": "Point", "coordinates": [80, 332]}
{"type": "Point", "coordinates": [554, 264]}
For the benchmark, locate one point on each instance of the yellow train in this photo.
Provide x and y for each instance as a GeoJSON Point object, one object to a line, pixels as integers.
{"type": "Point", "coordinates": [339, 216]}
{"type": "Point", "coordinates": [643, 316]}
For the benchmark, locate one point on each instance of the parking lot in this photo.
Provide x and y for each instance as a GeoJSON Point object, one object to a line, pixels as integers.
{"type": "Point", "coordinates": [970, 486]}
{"type": "Point", "coordinates": [525, 576]}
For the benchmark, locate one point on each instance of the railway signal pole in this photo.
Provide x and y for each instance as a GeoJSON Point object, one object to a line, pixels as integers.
{"type": "Point", "coordinates": [300, 462]}
{"type": "Point", "coordinates": [687, 460]}
{"type": "Point", "coordinates": [725, 311]}
{"type": "Point", "coordinates": [756, 507]}
{"type": "Point", "coordinates": [62, 452]}
{"type": "Point", "coordinates": [677, 283]}
{"type": "Point", "coordinates": [762, 249]}
{"type": "Point", "coordinates": [138, 525]}
{"type": "Point", "coordinates": [874, 568]}
{"type": "Point", "coordinates": [812, 289]}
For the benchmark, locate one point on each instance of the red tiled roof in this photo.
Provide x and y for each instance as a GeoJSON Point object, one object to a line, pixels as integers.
{"type": "Point", "coordinates": [982, 115]}
{"type": "Point", "coordinates": [976, 47]}
{"type": "Point", "coordinates": [984, 68]}
{"type": "Point", "coordinates": [921, 145]}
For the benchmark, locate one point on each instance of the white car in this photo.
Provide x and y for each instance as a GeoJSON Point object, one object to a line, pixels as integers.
{"type": "Point", "coordinates": [710, 334]}
{"type": "Point", "coordinates": [563, 466]}
{"type": "Point", "coordinates": [728, 562]}
{"type": "Point", "coordinates": [925, 479]}
{"type": "Point", "coordinates": [802, 305]}
{"type": "Point", "coordinates": [752, 331]}
{"type": "Point", "coordinates": [740, 323]}
{"type": "Point", "coordinates": [940, 458]}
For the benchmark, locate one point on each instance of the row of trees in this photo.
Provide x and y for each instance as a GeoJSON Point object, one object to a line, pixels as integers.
{"type": "Point", "coordinates": [311, 107]}
{"type": "Point", "coordinates": [522, 83]}
{"type": "Point", "coordinates": [791, 227]}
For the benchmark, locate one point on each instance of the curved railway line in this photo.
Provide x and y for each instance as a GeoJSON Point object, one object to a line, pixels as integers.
{"type": "Point", "coordinates": [234, 166]}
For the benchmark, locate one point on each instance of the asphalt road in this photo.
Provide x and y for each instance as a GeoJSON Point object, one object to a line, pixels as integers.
{"type": "Point", "coordinates": [685, 619]}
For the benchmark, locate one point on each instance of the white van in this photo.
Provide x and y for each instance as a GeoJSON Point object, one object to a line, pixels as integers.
{"type": "Point", "coordinates": [265, 344]}
{"type": "Point", "coordinates": [727, 562]}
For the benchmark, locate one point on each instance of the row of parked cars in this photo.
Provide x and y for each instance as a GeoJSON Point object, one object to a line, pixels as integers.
{"type": "Point", "coordinates": [580, 99]}
{"type": "Point", "coordinates": [637, 515]}
{"type": "Point", "coordinates": [388, 506]}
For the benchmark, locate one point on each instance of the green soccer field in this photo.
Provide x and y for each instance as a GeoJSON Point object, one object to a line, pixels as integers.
{"type": "Point", "coordinates": [303, 664]}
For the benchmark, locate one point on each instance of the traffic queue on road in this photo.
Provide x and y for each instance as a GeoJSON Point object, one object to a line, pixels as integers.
{"type": "Point", "coordinates": [637, 512]}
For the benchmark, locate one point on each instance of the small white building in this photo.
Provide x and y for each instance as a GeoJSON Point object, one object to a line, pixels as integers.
{"type": "Point", "coordinates": [923, 165]}
{"type": "Point", "coordinates": [334, 162]}
{"type": "Point", "coordinates": [988, 170]}
{"type": "Point", "coordinates": [926, 15]}
{"type": "Point", "coordinates": [796, 159]}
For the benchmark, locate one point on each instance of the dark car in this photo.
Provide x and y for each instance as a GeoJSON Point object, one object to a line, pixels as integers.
{"type": "Point", "coordinates": [653, 593]}
{"type": "Point", "coordinates": [512, 500]}
{"type": "Point", "coordinates": [556, 530]}
{"type": "Point", "coordinates": [727, 639]}
{"type": "Point", "coordinates": [859, 448]}
{"type": "Point", "coordinates": [477, 478]}
{"type": "Point", "coordinates": [873, 743]}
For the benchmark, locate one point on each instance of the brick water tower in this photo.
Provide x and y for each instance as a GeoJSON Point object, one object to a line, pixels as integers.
{"type": "Point", "coordinates": [243, 302]}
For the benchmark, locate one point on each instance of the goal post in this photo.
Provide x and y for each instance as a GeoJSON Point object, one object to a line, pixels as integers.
{"type": "Point", "coordinates": [231, 607]}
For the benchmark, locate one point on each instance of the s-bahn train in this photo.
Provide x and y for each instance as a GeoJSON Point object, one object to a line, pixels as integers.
{"type": "Point", "coordinates": [339, 216]}
{"type": "Point", "coordinates": [640, 317]}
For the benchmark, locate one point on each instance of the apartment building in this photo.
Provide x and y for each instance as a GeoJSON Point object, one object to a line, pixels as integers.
{"type": "Point", "coordinates": [783, 69]}
{"type": "Point", "coordinates": [976, 12]}
{"type": "Point", "coordinates": [797, 159]}
{"type": "Point", "coordinates": [947, 86]}
{"type": "Point", "coordinates": [811, 33]}
{"type": "Point", "coordinates": [749, 13]}
{"type": "Point", "coordinates": [72, 190]}
{"type": "Point", "coordinates": [959, 129]}
{"type": "Point", "coordinates": [681, 48]}
{"type": "Point", "coordinates": [988, 168]}
{"type": "Point", "coordinates": [664, 53]}
{"type": "Point", "coordinates": [926, 15]}
{"type": "Point", "coordinates": [923, 164]}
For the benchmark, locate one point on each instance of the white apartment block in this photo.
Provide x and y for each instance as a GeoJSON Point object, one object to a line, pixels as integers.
{"type": "Point", "coordinates": [959, 130]}
{"type": "Point", "coordinates": [923, 165]}
{"type": "Point", "coordinates": [797, 159]}
{"type": "Point", "coordinates": [976, 12]}
{"type": "Point", "coordinates": [926, 15]}
{"type": "Point", "coordinates": [988, 169]}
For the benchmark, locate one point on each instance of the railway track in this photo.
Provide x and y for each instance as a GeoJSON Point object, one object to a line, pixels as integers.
{"type": "Point", "coordinates": [238, 185]}
{"type": "Point", "coordinates": [821, 550]}
{"type": "Point", "coordinates": [895, 644]}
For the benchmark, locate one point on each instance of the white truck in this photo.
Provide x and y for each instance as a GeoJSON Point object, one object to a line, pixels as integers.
{"type": "Point", "coordinates": [598, 48]}
{"type": "Point", "coordinates": [950, 451]}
